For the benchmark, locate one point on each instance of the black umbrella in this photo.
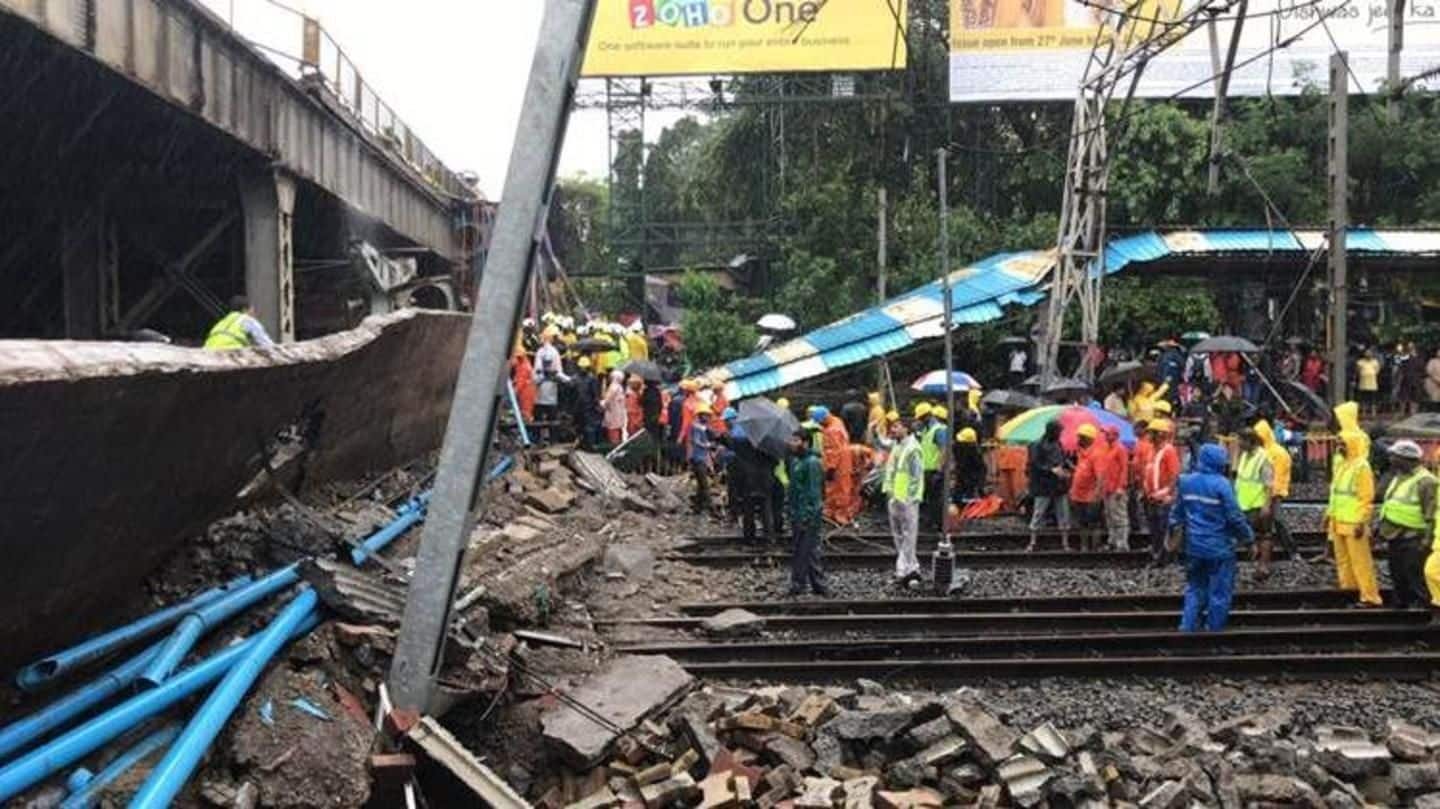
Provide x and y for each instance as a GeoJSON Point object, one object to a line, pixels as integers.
{"type": "Point", "coordinates": [1126, 372]}
{"type": "Point", "coordinates": [767, 426]}
{"type": "Point", "coordinates": [1010, 399]}
{"type": "Point", "coordinates": [645, 369]}
{"type": "Point", "coordinates": [1302, 398]}
{"type": "Point", "coordinates": [1062, 387]}
{"type": "Point", "coordinates": [592, 345]}
{"type": "Point", "coordinates": [1224, 343]}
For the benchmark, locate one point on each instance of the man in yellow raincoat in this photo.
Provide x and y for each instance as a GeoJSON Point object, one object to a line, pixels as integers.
{"type": "Point", "coordinates": [1347, 520]}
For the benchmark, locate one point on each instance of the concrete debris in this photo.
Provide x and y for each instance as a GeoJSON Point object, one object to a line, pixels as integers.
{"type": "Point", "coordinates": [632, 562]}
{"type": "Point", "coordinates": [1348, 753]}
{"type": "Point", "coordinates": [909, 799]}
{"type": "Point", "coordinates": [598, 475]}
{"type": "Point", "coordinates": [1025, 778]}
{"type": "Point", "coordinates": [627, 690]}
{"type": "Point", "coordinates": [1046, 743]}
{"type": "Point", "coordinates": [993, 741]}
{"type": "Point", "coordinates": [1169, 795]}
{"type": "Point", "coordinates": [1413, 778]}
{"type": "Point", "coordinates": [733, 623]}
{"type": "Point", "coordinates": [664, 793]}
{"type": "Point", "coordinates": [1277, 789]}
{"type": "Point", "coordinates": [446, 751]}
{"type": "Point", "coordinates": [1409, 742]}
{"type": "Point", "coordinates": [550, 501]}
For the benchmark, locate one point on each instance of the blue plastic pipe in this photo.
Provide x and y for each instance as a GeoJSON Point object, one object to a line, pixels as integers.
{"type": "Point", "coordinates": [34, 767]}
{"type": "Point", "coordinates": [84, 795]}
{"type": "Point", "coordinates": [20, 734]}
{"type": "Point", "coordinates": [407, 515]}
{"type": "Point", "coordinates": [207, 617]}
{"type": "Point", "coordinates": [170, 775]}
{"type": "Point", "coordinates": [46, 671]}
{"type": "Point", "coordinates": [519, 416]}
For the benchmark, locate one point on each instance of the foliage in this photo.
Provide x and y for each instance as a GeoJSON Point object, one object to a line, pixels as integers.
{"type": "Point", "coordinates": [714, 333]}
{"type": "Point", "coordinates": [1135, 312]}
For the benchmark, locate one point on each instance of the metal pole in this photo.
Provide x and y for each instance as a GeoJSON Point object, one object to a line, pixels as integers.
{"type": "Point", "coordinates": [519, 229]}
{"type": "Point", "coordinates": [1339, 220]}
{"type": "Point", "coordinates": [1392, 68]}
{"type": "Point", "coordinates": [945, 451]}
{"type": "Point", "coordinates": [882, 217]}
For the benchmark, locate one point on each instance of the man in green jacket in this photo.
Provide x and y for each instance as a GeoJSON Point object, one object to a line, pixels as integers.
{"type": "Point", "coordinates": [805, 505]}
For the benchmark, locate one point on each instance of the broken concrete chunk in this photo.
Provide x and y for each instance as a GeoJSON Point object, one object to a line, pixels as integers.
{"type": "Point", "coordinates": [717, 791]}
{"type": "Point", "coordinates": [733, 623]}
{"type": "Point", "coordinates": [1413, 778]}
{"type": "Point", "coordinates": [1349, 753]}
{"type": "Point", "coordinates": [550, 501]}
{"type": "Point", "coordinates": [792, 752]}
{"type": "Point", "coordinates": [1281, 789]}
{"type": "Point", "coordinates": [819, 793]}
{"type": "Point", "coordinates": [624, 692]}
{"type": "Point", "coordinates": [1148, 741]}
{"type": "Point", "coordinates": [943, 752]}
{"type": "Point", "coordinates": [859, 792]}
{"type": "Point", "coordinates": [990, 797]}
{"type": "Point", "coordinates": [1431, 801]}
{"type": "Point", "coordinates": [909, 799]}
{"type": "Point", "coordinates": [992, 741]}
{"type": "Point", "coordinates": [676, 788]}
{"type": "Point", "coordinates": [863, 725]}
{"type": "Point", "coordinates": [829, 754]}
{"type": "Point", "coordinates": [1409, 742]}
{"type": "Point", "coordinates": [634, 562]}
{"type": "Point", "coordinates": [1025, 778]}
{"type": "Point", "coordinates": [1169, 795]}
{"type": "Point", "coordinates": [814, 710]}
{"type": "Point", "coordinates": [907, 773]}
{"type": "Point", "coordinates": [702, 741]}
{"type": "Point", "coordinates": [870, 688]}
{"type": "Point", "coordinates": [927, 733]}
{"type": "Point", "coordinates": [1046, 743]}
{"type": "Point", "coordinates": [520, 533]}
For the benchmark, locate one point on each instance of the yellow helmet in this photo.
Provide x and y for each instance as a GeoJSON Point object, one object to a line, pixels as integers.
{"type": "Point", "coordinates": [1162, 406]}
{"type": "Point", "coordinates": [703, 409]}
{"type": "Point", "coordinates": [1162, 426]}
{"type": "Point", "coordinates": [1087, 431]}
{"type": "Point", "coordinates": [923, 409]}
{"type": "Point", "coordinates": [584, 363]}
{"type": "Point", "coordinates": [893, 415]}
{"type": "Point", "coordinates": [967, 436]}
{"type": "Point", "coordinates": [688, 385]}
{"type": "Point", "coordinates": [783, 403]}
{"type": "Point", "coordinates": [940, 413]}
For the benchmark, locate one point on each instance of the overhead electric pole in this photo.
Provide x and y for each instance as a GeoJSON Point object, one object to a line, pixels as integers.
{"type": "Point", "coordinates": [1338, 177]}
{"type": "Point", "coordinates": [1396, 44]}
{"type": "Point", "coordinates": [519, 229]}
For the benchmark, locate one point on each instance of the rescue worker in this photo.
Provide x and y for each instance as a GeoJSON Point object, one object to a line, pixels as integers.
{"type": "Point", "coordinates": [522, 375]}
{"type": "Point", "coordinates": [719, 403]}
{"type": "Point", "coordinates": [840, 506]}
{"type": "Point", "coordinates": [904, 488]}
{"type": "Point", "coordinates": [238, 329]}
{"type": "Point", "coordinates": [1115, 473]}
{"type": "Point", "coordinates": [1161, 475]}
{"type": "Point", "coordinates": [803, 504]}
{"type": "Point", "coordinates": [1209, 516]}
{"type": "Point", "coordinates": [635, 341]}
{"type": "Point", "coordinates": [970, 468]}
{"type": "Point", "coordinates": [1087, 488]}
{"type": "Point", "coordinates": [698, 453]}
{"type": "Point", "coordinates": [875, 425]}
{"type": "Point", "coordinates": [1407, 521]}
{"type": "Point", "coordinates": [1139, 462]}
{"type": "Point", "coordinates": [1281, 465]}
{"type": "Point", "coordinates": [587, 413]}
{"type": "Point", "coordinates": [549, 373]}
{"type": "Point", "coordinates": [1254, 481]}
{"type": "Point", "coordinates": [688, 406]}
{"type": "Point", "coordinates": [1347, 520]}
{"type": "Point", "coordinates": [932, 448]}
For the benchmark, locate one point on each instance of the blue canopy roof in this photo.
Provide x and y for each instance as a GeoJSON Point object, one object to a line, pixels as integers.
{"type": "Point", "coordinates": [980, 292]}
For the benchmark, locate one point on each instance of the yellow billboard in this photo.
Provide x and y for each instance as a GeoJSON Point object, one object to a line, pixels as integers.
{"type": "Point", "coordinates": [690, 37]}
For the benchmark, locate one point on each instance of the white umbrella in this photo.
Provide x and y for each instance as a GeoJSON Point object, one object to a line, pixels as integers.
{"type": "Point", "coordinates": [776, 322]}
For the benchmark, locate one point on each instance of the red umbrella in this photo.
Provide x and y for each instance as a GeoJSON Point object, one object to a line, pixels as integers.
{"type": "Point", "coordinates": [1071, 419]}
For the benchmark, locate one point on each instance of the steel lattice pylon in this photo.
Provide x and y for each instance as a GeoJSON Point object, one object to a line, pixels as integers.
{"type": "Point", "coordinates": [1124, 44]}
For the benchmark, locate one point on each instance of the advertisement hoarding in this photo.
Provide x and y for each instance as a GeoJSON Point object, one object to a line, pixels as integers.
{"type": "Point", "coordinates": [705, 37]}
{"type": "Point", "coordinates": [1036, 50]}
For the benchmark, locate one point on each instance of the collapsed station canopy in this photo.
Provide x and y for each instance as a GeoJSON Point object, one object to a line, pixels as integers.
{"type": "Point", "coordinates": [980, 292]}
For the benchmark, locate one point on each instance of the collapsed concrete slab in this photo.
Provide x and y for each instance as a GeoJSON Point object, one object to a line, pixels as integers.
{"type": "Point", "coordinates": [116, 452]}
{"type": "Point", "coordinates": [630, 688]}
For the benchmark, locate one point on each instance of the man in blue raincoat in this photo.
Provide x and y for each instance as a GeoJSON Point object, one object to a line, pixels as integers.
{"type": "Point", "coordinates": [1213, 525]}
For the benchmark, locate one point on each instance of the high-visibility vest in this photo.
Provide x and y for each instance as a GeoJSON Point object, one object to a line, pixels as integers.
{"type": "Point", "coordinates": [897, 481]}
{"type": "Point", "coordinates": [930, 448]}
{"type": "Point", "coordinates": [1344, 499]}
{"type": "Point", "coordinates": [1402, 501]}
{"type": "Point", "coordinates": [1250, 489]}
{"type": "Point", "coordinates": [228, 333]}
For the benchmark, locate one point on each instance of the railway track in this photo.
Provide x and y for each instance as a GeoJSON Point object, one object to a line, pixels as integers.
{"type": "Point", "coordinates": [839, 556]}
{"type": "Point", "coordinates": [1302, 634]}
{"type": "Point", "coordinates": [1310, 541]}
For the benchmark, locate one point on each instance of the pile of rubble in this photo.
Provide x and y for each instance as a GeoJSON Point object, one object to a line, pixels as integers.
{"type": "Point", "coordinates": [815, 748]}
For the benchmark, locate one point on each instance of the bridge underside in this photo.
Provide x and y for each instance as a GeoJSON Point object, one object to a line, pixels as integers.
{"type": "Point", "coordinates": [124, 211]}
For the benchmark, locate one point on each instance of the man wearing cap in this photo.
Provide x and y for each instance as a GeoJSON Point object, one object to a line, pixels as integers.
{"type": "Point", "coordinates": [904, 487]}
{"type": "Point", "coordinates": [1407, 521]}
{"type": "Point", "coordinates": [1254, 483]}
{"type": "Point", "coordinates": [698, 453]}
{"type": "Point", "coordinates": [970, 471]}
{"type": "Point", "coordinates": [1087, 488]}
{"type": "Point", "coordinates": [1160, 476]}
{"type": "Point", "coordinates": [1281, 466]}
{"type": "Point", "coordinates": [933, 445]}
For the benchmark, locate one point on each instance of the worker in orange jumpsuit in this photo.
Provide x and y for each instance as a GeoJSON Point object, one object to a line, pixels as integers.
{"type": "Point", "coordinates": [835, 460]}
{"type": "Point", "coordinates": [719, 404]}
{"type": "Point", "coordinates": [634, 414]}
{"type": "Point", "coordinates": [522, 373]}
{"type": "Point", "coordinates": [690, 390]}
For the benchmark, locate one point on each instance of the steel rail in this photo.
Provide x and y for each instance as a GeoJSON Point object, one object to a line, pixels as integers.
{"type": "Point", "coordinates": [846, 559]}
{"type": "Point", "coordinates": [996, 623]}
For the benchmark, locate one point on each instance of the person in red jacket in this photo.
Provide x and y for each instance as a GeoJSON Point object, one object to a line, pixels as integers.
{"type": "Point", "coordinates": [1117, 490]}
{"type": "Point", "coordinates": [1087, 490]}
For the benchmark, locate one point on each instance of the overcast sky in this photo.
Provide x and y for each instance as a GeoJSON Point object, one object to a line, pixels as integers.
{"type": "Point", "coordinates": [454, 70]}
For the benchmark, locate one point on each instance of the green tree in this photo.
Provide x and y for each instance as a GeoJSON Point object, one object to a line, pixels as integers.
{"type": "Point", "coordinates": [714, 333]}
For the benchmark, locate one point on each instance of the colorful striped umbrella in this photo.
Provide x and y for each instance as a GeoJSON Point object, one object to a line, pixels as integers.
{"type": "Point", "coordinates": [933, 383]}
{"type": "Point", "coordinates": [1029, 427]}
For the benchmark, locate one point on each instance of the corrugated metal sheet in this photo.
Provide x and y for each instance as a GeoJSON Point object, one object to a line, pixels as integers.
{"type": "Point", "coordinates": [981, 291]}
